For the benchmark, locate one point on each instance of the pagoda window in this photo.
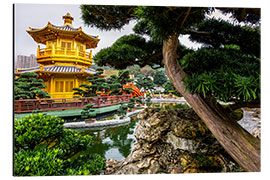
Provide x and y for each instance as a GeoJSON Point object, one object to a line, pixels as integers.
{"type": "Point", "coordinates": [59, 86]}
{"type": "Point", "coordinates": [80, 48]}
{"type": "Point", "coordinates": [66, 45]}
{"type": "Point", "coordinates": [68, 86]}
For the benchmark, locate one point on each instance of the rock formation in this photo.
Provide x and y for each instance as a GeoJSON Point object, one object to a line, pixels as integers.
{"type": "Point", "coordinates": [173, 141]}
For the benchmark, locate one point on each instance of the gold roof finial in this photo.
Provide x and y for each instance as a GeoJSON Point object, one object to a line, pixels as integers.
{"type": "Point", "coordinates": [68, 19]}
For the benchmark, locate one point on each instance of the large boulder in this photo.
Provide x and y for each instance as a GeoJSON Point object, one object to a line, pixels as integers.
{"type": "Point", "coordinates": [173, 141]}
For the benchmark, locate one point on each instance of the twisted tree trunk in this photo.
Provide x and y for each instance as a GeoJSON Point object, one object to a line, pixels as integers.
{"type": "Point", "coordinates": [242, 146]}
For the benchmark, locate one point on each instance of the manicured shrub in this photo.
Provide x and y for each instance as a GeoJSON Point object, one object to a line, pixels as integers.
{"type": "Point", "coordinates": [43, 162]}
{"type": "Point", "coordinates": [44, 148]}
{"type": "Point", "coordinates": [33, 130]}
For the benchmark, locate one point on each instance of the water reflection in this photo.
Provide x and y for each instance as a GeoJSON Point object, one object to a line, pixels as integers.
{"type": "Point", "coordinates": [116, 142]}
{"type": "Point", "coordinates": [113, 142]}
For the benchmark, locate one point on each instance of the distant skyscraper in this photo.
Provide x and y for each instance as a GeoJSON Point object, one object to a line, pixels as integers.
{"type": "Point", "coordinates": [26, 61]}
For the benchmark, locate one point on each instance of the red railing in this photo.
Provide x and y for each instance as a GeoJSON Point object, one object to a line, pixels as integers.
{"type": "Point", "coordinates": [28, 105]}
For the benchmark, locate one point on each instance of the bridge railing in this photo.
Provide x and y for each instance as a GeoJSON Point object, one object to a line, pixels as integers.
{"type": "Point", "coordinates": [28, 105]}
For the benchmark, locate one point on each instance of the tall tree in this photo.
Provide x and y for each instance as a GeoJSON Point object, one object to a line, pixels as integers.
{"type": "Point", "coordinates": [226, 68]}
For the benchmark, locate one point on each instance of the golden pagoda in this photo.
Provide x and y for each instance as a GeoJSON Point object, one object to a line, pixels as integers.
{"type": "Point", "coordinates": [64, 63]}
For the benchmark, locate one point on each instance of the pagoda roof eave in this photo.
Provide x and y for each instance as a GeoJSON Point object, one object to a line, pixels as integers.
{"type": "Point", "coordinates": [34, 32]}
{"type": "Point", "coordinates": [57, 69]}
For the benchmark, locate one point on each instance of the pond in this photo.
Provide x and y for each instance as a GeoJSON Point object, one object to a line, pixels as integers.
{"type": "Point", "coordinates": [117, 142]}
{"type": "Point", "coordinates": [112, 142]}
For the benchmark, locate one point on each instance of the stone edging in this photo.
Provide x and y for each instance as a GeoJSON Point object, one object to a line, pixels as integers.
{"type": "Point", "coordinates": [180, 100]}
{"type": "Point", "coordinates": [97, 124]}
{"type": "Point", "coordinates": [114, 122]}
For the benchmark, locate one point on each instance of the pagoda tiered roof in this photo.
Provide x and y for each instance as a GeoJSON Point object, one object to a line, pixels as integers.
{"type": "Point", "coordinates": [63, 27]}
{"type": "Point", "coordinates": [51, 31]}
{"type": "Point", "coordinates": [57, 69]}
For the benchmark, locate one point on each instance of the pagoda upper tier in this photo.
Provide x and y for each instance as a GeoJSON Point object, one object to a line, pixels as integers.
{"type": "Point", "coordinates": [52, 32]}
{"type": "Point", "coordinates": [65, 44]}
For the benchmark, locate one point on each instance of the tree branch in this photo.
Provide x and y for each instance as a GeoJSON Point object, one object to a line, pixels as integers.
{"type": "Point", "coordinates": [185, 18]}
{"type": "Point", "coordinates": [150, 58]}
{"type": "Point", "coordinates": [197, 33]}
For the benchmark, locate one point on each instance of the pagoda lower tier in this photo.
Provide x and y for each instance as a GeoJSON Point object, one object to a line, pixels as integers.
{"type": "Point", "coordinates": [60, 79]}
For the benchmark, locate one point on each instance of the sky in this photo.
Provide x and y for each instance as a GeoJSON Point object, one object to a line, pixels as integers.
{"type": "Point", "coordinates": [38, 15]}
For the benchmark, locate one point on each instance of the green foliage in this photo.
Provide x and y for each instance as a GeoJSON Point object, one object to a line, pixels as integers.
{"type": "Point", "coordinates": [226, 73]}
{"type": "Point", "coordinates": [165, 21]}
{"type": "Point", "coordinates": [34, 129]}
{"type": "Point", "coordinates": [221, 32]}
{"type": "Point", "coordinates": [43, 147]}
{"type": "Point", "coordinates": [122, 111]}
{"type": "Point", "coordinates": [44, 162]}
{"type": "Point", "coordinates": [27, 86]}
{"type": "Point", "coordinates": [115, 83]}
{"type": "Point", "coordinates": [94, 165]}
{"type": "Point", "coordinates": [160, 78]}
{"type": "Point", "coordinates": [147, 71]}
{"type": "Point", "coordinates": [145, 83]}
{"type": "Point", "coordinates": [113, 17]}
{"type": "Point", "coordinates": [88, 112]}
{"type": "Point", "coordinates": [96, 84]}
{"type": "Point", "coordinates": [132, 101]}
{"type": "Point", "coordinates": [169, 88]}
{"type": "Point", "coordinates": [148, 100]}
{"type": "Point", "coordinates": [227, 67]}
{"type": "Point", "coordinates": [128, 50]}
{"type": "Point", "coordinates": [134, 69]}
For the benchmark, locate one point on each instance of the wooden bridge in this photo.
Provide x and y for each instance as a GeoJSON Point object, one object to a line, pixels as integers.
{"type": "Point", "coordinates": [28, 105]}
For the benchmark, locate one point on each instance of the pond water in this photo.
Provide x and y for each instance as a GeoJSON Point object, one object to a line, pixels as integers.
{"type": "Point", "coordinates": [112, 142]}
{"type": "Point", "coordinates": [117, 142]}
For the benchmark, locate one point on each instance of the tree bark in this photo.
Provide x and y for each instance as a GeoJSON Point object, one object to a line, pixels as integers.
{"type": "Point", "coordinates": [242, 146]}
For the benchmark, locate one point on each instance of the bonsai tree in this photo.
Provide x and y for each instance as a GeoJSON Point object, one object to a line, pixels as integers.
{"type": "Point", "coordinates": [132, 101]}
{"type": "Point", "coordinates": [227, 67]}
{"type": "Point", "coordinates": [88, 112]}
{"type": "Point", "coordinates": [27, 86]}
{"type": "Point", "coordinates": [115, 83]}
{"type": "Point", "coordinates": [96, 83]}
{"type": "Point", "coordinates": [146, 83]}
{"type": "Point", "coordinates": [122, 111]}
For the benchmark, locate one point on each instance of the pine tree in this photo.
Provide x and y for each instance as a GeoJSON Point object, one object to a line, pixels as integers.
{"type": "Point", "coordinates": [95, 84]}
{"type": "Point", "coordinates": [226, 68]}
{"type": "Point", "coordinates": [27, 86]}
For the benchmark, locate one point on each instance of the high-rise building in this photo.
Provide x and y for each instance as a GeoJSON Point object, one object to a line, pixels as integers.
{"type": "Point", "coordinates": [26, 61]}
